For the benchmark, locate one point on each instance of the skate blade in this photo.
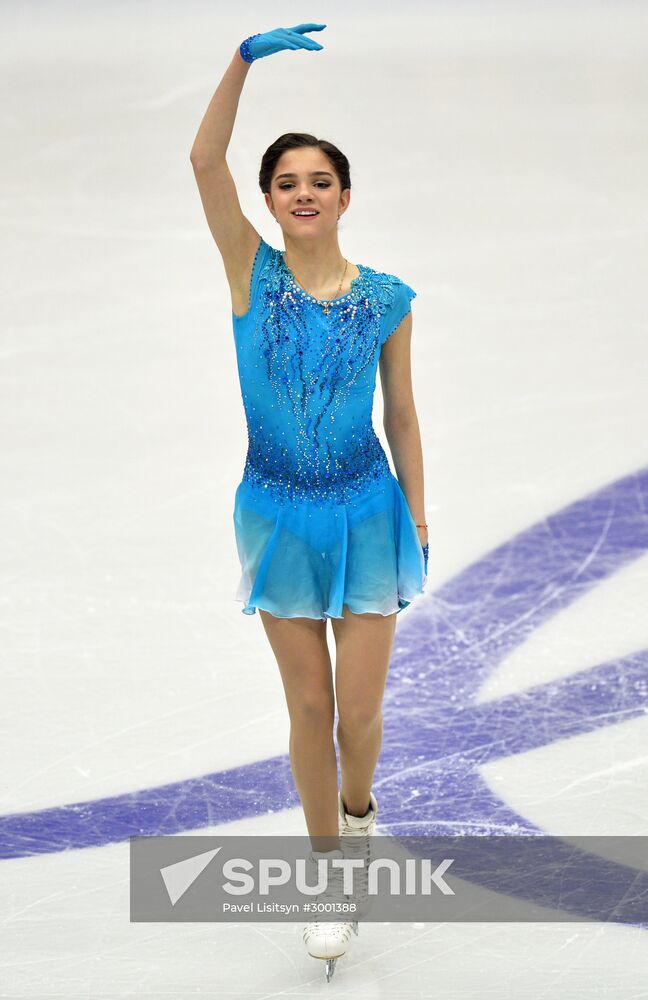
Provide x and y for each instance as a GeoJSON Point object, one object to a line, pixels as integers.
{"type": "Point", "coordinates": [330, 968]}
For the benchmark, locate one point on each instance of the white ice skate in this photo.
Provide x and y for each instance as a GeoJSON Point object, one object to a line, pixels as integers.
{"type": "Point", "coordinates": [355, 832]}
{"type": "Point", "coordinates": [328, 939]}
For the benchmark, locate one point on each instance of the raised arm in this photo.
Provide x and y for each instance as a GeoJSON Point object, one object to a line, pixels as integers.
{"type": "Point", "coordinates": [235, 236]}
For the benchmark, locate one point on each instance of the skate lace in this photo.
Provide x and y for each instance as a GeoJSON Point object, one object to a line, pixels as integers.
{"type": "Point", "coordinates": [354, 848]}
{"type": "Point", "coordinates": [356, 845]}
{"type": "Point", "coordinates": [333, 892]}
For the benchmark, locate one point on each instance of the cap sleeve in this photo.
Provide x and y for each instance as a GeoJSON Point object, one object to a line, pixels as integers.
{"type": "Point", "coordinates": [399, 307]}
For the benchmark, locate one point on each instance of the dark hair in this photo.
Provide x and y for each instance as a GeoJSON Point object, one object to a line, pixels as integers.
{"type": "Point", "coordinates": [293, 140]}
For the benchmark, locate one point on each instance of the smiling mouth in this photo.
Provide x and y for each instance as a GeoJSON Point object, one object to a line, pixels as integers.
{"type": "Point", "coordinates": [310, 215]}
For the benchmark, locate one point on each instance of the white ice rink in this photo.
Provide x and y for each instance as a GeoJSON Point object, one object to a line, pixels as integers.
{"type": "Point", "coordinates": [499, 156]}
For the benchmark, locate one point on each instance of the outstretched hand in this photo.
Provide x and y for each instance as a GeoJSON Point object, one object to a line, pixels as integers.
{"type": "Point", "coordinates": [268, 42]}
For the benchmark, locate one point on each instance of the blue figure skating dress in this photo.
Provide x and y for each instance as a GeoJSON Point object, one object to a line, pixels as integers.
{"type": "Point", "coordinates": [319, 519]}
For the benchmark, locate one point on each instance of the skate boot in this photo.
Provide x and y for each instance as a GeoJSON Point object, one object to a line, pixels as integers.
{"type": "Point", "coordinates": [328, 939]}
{"type": "Point", "coordinates": [355, 832]}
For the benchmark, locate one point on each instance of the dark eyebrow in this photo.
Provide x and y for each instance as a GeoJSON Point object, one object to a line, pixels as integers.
{"type": "Point", "coordinates": [313, 173]}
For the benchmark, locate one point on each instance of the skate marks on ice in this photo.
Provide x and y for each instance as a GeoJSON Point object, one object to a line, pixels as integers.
{"type": "Point", "coordinates": [436, 736]}
{"type": "Point", "coordinates": [468, 628]}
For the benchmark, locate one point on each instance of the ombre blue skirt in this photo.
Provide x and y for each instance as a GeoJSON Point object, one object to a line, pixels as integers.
{"type": "Point", "coordinates": [309, 560]}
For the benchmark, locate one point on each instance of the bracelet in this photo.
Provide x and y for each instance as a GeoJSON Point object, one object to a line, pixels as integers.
{"type": "Point", "coordinates": [421, 525]}
{"type": "Point", "coordinates": [244, 48]}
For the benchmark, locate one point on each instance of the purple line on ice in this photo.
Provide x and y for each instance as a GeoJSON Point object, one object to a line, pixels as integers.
{"type": "Point", "coordinates": [435, 736]}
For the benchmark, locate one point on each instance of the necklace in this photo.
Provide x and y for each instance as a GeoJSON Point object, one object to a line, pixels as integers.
{"type": "Point", "coordinates": [326, 303]}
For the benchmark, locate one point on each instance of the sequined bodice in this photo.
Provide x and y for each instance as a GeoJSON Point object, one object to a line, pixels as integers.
{"type": "Point", "coordinates": [307, 381]}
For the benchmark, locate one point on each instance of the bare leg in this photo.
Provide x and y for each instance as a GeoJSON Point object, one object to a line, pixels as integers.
{"type": "Point", "coordinates": [363, 653]}
{"type": "Point", "coordinates": [304, 661]}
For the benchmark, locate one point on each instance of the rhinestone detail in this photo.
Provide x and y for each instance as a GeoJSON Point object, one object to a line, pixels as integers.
{"type": "Point", "coordinates": [307, 380]}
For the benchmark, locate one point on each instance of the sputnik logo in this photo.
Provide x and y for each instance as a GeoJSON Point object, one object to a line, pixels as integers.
{"type": "Point", "coordinates": [181, 875]}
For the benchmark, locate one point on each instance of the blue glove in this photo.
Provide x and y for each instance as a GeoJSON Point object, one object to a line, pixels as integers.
{"type": "Point", "coordinates": [266, 43]}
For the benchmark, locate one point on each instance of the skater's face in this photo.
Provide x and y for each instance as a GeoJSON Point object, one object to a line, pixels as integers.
{"type": "Point", "coordinates": [304, 178]}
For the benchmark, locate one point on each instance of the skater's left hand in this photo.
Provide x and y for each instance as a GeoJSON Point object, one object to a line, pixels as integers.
{"type": "Point", "coordinates": [423, 539]}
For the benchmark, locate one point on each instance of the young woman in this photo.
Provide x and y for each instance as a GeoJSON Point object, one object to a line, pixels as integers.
{"type": "Point", "coordinates": [323, 529]}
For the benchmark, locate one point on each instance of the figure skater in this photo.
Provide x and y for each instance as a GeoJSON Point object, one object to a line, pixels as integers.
{"type": "Point", "coordinates": [323, 528]}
